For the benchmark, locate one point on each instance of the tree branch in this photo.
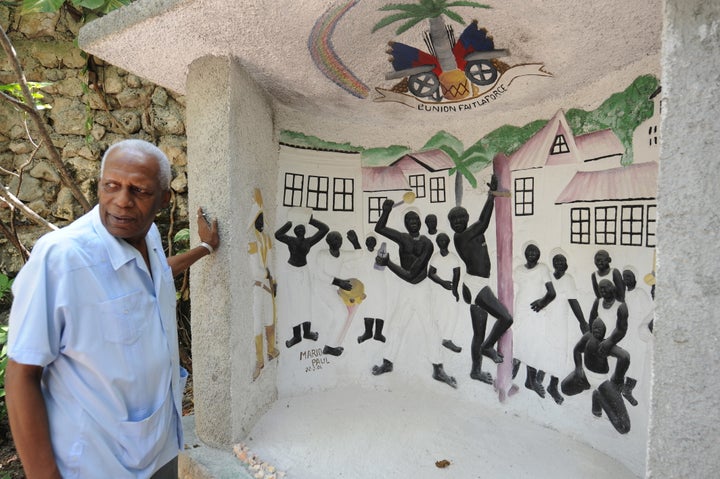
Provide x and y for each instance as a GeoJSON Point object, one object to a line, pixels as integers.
{"type": "Point", "coordinates": [16, 202]}
{"type": "Point", "coordinates": [55, 158]}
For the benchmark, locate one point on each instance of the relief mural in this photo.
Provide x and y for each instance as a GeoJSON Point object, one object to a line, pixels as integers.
{"type": "Point", "coordinates": [536, 292]}
{"type": "Point", "coordinates": [452, 74]}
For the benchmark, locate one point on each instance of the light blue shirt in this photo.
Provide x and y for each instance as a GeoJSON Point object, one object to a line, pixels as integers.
{"type": "Point", "coordinates": [87, 309]}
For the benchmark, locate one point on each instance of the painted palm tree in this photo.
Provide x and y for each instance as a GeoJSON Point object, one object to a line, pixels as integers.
{"type": "Point", "coordinates": [452, 77]}
{"type": "Point", "coordinates": [461, 157]}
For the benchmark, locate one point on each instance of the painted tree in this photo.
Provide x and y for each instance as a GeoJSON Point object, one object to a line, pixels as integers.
{"type": "Point", "coordinates": [461, 158]}
{"type": "Point", "coordinates": [433, 11]}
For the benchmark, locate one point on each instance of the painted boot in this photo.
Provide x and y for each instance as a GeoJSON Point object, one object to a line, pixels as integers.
{"type": "Point", "coordinates": [553, 390]}
{"type": "Point", "coordinates": [385, 367]}
{"type": "Point", "coordinates": [307, 334]}
{"type": "Point", "coordinates": [296, 337]}
{"type": "Point", "coordinates": [628, 389]}
{"type": "Point", "coordinates": [368, 331]}
{"type": "Point", "coordinates": [379, 323]}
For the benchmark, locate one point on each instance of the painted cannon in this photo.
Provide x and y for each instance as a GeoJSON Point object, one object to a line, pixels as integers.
{"type": "Point", "coordinates": [447, 71]}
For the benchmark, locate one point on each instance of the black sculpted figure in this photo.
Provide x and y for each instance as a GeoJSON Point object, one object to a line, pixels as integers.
{"type": "Point", "coordinates": [593, 349]}
{"type": "Point", "coordinates": [470, 244]}
{"type": "Point", "coordinates": [445, 271]}
{"type": "Point", "coordinates": [603, 262]}
{"type": "Point", "coordinates": [534, 292]}
{"type": "Point", "coordinates": [415, 251]}
{"type": "Point", "coordinates": [298, 280]}
{"type": "Point", "coordinates": [431, 223]}
{"type": "Point", "coordinates": [374, 310]}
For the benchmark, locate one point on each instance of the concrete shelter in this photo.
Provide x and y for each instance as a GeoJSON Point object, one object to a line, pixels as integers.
{"type": "Point", "coordinates": [248, 72]}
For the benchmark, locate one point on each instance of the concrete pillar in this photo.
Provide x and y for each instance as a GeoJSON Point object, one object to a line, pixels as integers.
{"type": "Point", "coordinates": [231, 151]}
{"type": "Point", "coordinates": [684, 425]}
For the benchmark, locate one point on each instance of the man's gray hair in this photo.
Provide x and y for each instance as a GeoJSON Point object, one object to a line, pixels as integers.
{"type": "Point", "coordinates": [142, 146]}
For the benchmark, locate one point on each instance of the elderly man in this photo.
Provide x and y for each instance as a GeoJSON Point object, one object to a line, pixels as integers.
{"type": "Point", "coordinates": [94, 385]}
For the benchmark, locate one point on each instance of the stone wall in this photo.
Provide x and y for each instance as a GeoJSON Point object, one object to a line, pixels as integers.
{"type": "Point", "coordinates": [93, 106]}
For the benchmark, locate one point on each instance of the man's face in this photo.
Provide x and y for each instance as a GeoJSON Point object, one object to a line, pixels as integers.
{"type": "Point", "coordinates": [412, 223]}
{"type": "Point", "coordinates": [532, 254]}
{"type": "Point", "coordinates": [431, 222]}
{"type": "Point", "coordinates": [130, 194]}
{"type": "Point", "coordinates": [598, 329]}
{"type": "Point", "coordinates": [602, 260]}
{"type": "Point", "coordinates": [334, 240]}
{"type": "Point", "coordinates": [458, 221]}
{"type": "Point", "coordinates": [443, 241]}
{"type": "Point", "coordinates": [607, 289]}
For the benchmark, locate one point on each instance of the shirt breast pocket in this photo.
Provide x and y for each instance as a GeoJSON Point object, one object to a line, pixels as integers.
{"type": "Point", "coordinates": [124, 319]}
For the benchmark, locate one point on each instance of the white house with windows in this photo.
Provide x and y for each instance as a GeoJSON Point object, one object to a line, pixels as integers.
{"type": "Point", "coordinates": [424, 173]}
{"type": "Point", "coordinates": [646, 138]}
{"type": "Point", "coordinates": [344, 194]}
{"type": "Point", "coordinates": [327, 182]}
{"type": "Point", "coordinates": [572, 192]}
{"type": "Point", "coordinates": [379, 184]}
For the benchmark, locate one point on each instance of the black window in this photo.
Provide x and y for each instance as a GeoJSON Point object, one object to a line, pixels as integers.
{"type": "Point", "coordinates": [524, 196]}
{"type": "Point", "coordinates": [317, 192]}
{"type": "Point", "coordinates": [343, 190]}
{"type": "Point", "coordinates": [437, 189]}
{"type": "Point", "coordinates": [292, 196]}
{"type": "Point", "coordinates": [580, 225]}
{"type": "Point", "coordinates": [605, 225]}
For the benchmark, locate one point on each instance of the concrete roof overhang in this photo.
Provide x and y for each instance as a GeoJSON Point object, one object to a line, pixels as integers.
{"type": "Point", "coordinates": [591, 49]}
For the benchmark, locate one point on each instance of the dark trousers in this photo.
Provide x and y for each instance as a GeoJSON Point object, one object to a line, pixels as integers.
{"type": "Point", "coordinates": [168, 471]}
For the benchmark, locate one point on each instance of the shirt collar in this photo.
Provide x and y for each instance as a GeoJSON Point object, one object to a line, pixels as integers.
{"type": "Point", "coordinates": [118, 250]}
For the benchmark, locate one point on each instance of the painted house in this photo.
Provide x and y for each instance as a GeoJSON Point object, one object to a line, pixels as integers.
{"type": "Point", "coordinates": [345, 194]}
{"type": "Point", "coordinates": [572, 192]}
{"type": "Point", "coordinates": [381, 183]}
{"type": "Point", "coordinates": [423, 173]}
{"type": "Point", "coordinates": [329, 183]}
{"type": "Point", "coordinates": [646, 138]}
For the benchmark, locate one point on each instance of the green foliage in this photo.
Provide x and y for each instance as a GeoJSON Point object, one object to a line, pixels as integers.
{"type": "Point", "coordinates": [97, 7]}
{"type": "Point", "coordinates": [301, 140]}
{"type": "Point", "coordinates": [383, 156]}
{"type": "Point", "coordinates": [5, 285]}
{"type": "Point", "coordinates": [622, 113]}
{"type": "Point", "coordinates": [462, 158]}
{"type": "Point", "coordinates": [423, 10]}
{"type": "Point", "coordinates": [182, 240]}
{"type": "Point", "coordinates": [14, 90]}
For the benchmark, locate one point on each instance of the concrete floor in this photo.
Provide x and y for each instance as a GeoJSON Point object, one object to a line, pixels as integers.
{"type": "Point", "coordinates": [361, 434]}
